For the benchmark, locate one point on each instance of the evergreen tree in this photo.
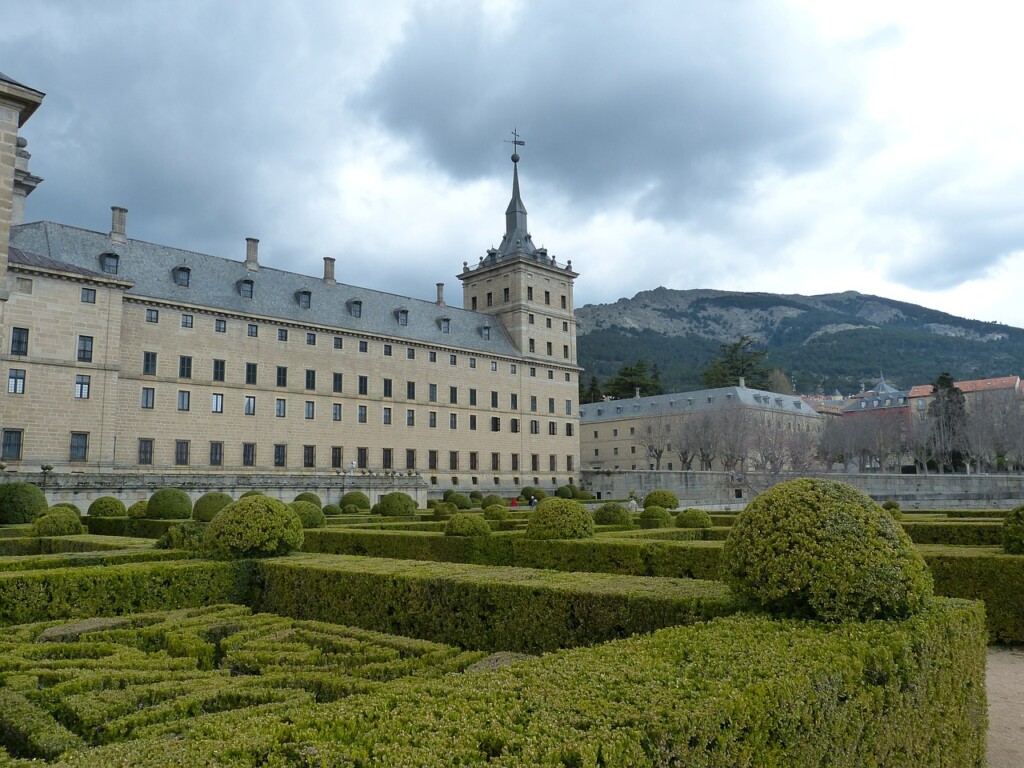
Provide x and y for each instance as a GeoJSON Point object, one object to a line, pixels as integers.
{"type": "Point", "coordinates": [735, 361]}
{"type": "Point", "coordinates": [632, 377]}
{"type": "Point", "coordinates": [592, 392]}
{"type": "Point", "coordinates": [947, 416]}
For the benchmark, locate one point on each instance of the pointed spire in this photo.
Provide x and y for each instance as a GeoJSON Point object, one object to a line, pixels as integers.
{"type": "Point", "coordinates": [515, 214]}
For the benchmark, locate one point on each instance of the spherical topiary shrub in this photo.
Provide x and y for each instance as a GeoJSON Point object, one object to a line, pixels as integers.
{"type": "Point", "coordinates": [823, 549]}
{"type": "Point", "coordinates": [396, 504]}
{"type": "Point", "coordinates": [530, 493]}
{"type": "Point", "coordinates": [253, 492]}
{"type": "Point", "coordinates": [59, 522]}
{"type": "Point", "coordinates": [208, 505]}
{"type": "Point", "coordinates": [443, 510]}
{"type": "Point", "coordinates": [583, 495]}
{"type": "Point", "coordinates": [19, 502]}
{"type": "Point", "coordinates": [107, 506]}
{"type": "Point", "coordinates": [352, 509]}
{"type": "Point", "coordinates": [556, 518]}
{"type": "Point", "coordinates": [460, 500]}
{"type": "Point", "coordinates": [169, 504]}
{"type": "Point", "coordinates": [496, 512]}
{"type": "Point", "coordinates": [611, 513]}
{"type": "Point", "coordinates": [311, 497]}
{"type": "Point", "coordinates": [332, 510]}
{"type": "Point", "coordinates": [565, 492]}
{"type": "Point", "coordinates": [661, 498]}
{"type": "Point", "coordinates": [63, 505]}
{"type": "Point", "coordinates": [309, 513]}
{"type": "Point", "coordinates": [654, 516]}
{"type": "Point", "coordinates": [467, 524]}
{"type": "Point", "coordinates": [1013, 532]}
{"type": "Point", "coordinates": [476, 497]}
{"type": "Point", "coordinates": [693, 518]}
{"type": "Point", "coordinates": [138, 509]}
{"type": "Point", "coordinates": [257, 526]}
{"type": "Point", "coordinates": [491, 499]}
{"type": "Point", "coordinates": [187, 536]}
{"type": "Point", "coordinates": [888, 505]}
{"type": "Point", "coordinates": [357, 499]}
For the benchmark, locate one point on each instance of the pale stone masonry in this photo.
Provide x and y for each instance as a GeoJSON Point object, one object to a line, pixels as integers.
{"type": "Point", "coordinates": [128, 356]}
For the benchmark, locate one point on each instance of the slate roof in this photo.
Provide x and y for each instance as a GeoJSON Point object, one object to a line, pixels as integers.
{"type": "Point", "coordinates": [694, 402]}
{"type": "Point", "coordinates": [24, 258]}
{"type": "Point", "coordinates": [214, 284]}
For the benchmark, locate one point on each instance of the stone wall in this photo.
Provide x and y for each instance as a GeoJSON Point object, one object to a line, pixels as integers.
{"type": "Point", "coordinates": [724, 490]}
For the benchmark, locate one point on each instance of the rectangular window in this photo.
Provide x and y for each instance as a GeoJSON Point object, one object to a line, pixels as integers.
{"type": "Point", "coordinates": [181, 452]}
{"type": "Point", "coordinates": [453, 421]}
{"type": "Point", "coordinates": [184, 399]}
{"type": "Point", "coordinates": [336, 382]}
{"type": "Point", "coordinates": [432, 357]}
{"type": "Point", "coordinates": [250, 373]}
{"type": "Point", "coordinates": [410, 418]}
{"type": "Point", "coordinates": [387, 350]}
{"type": "Point", "coordinates": [410, 390]}
{"type": "Point", "coordinates": [410, 458]}
{"type": "Point", "coordinates": [552, 463]}
{"type": "Point", "coordinates": [552, 428]}
{"type": "Point", "coordinates": [145, 450]}
{"type": "Point", "coordinates": [11, 446]}
{"type": "Point", "coordinates": [472, 360]}
{"type": "Point", "coordinates": [253, 330]}
{"type": "Point", "coordinates": [535, 462]}
{"type": "Point", "coordinates": [473, 460]}
{"type": "Point", "coordinates": [217, 403]}
{"type": "Point", "coordinates": [514, 426]}
{"type": "Point", "coordinates": [88, 295]}
{"type": "Point", "coordinates": [472, 422]}
{"type": "Point", "coordinates": [472, 397]}
{"type": "Point", "coordinates": [512, 368]}
{"type": "Point", "coordinates": [495, 424]}
{"type": "Point", "coordinates": [403, 317]}
{"type": "Point", "coordinates": [387, 387]}
{"type": "Point", "coordinates": [515, 462]}
{"type": "Point", "coordinates": [362, 414]}
{"type": "Point", "coordinates": [220, 325]}
{"type": "Point", "coordinates": [432, 419]}
{"type": "Point", "coordinates": [533, 372]}
{"type": "Point", "coordinates": [310, 409]}
{"type": "Point", "coordinates": [364, 346]}
{"type": "Point", "coordinates": [311, 339]}
{"type": "Point", "coordinates": [248, 454]}
{"type": "Point", "coordinates": [453, 460]}
{"type": "Point", "coordinates": [148, 397]}
{"type": "Point", "coordinates": [453, 359]}
{"type": "Point", "coordinates": [218, 370]}
{"type": "Point", "coordinates": [186, 321]}
{"type": "Point", "coordinates": [565, 351]}
{"type": "Point", "coordinates": [282, 376]}
{"type": "Point", "coordinates": [310, 379]}
{"type": "Point", "coordinates": [513, 401]}
{"type": "Point", "coordinates": [548, 348]}
{"type": "Point", "coordinates": [79, 446]}
{"type": "Point", "coordinates": [494, 399]}
{"type": "Point", "coordinates": [410, 353]}
{"type": "Point", "coordinates": [529, 293]}
{"type": "Point", "coordinates": [336, 411]}
{"type": "Point", "coordinates": [551, 405]}
{"type": "Point", "coordinates": [364, 385]}
{"type": "Point", "coordinates": [495, 462]}
{"type": "Point", "coordinates": [504, 295]}
{"type": "Point", "coordinates": [282, 334]}
{"type": "Point", "coordinates": [387, 416]}
{"type": "Point", "coordinates": [280, 455]}
{"type": "Point", "coordinates": [82, 387]}
{"type": "Point", "coordinates": [216, 454]}
{"type": "Point", "coordinates": [547, 297]}
{"type": "Point", "coordinates": [453, 395]}
{"type": "Point", "coordinates": [152, 315]}
{"type": "Point", "coordinates": [362, 457]}
{"type": "Point", "coordinates": [19, 341]}
{"type": "Point", "coordinates": [490, 299]}
{"type": "Point", "coordinates": [16, 381]}
{"type": "Point", "coordinates": [564, 304]}
{"type": "Point", "coordinates": [184, 366]}
{"type": "Point", "coordinates": [85, 349]}
{"type": "Point", "coordinates": [308, 455]}
{"type": "Point", "coordinates": [570, 463]}
{"type": "Point", "coordinates": [387, 458]}
{"type": "Point", "coordinates": [335, 457]}
{"type": "Point", "coordinates": [432, 393]}
{"type": "Point", "coordinates": [280, 407]}
{"type": "Point", "coordinates": [534, 427]}
{"type": "Point", "coordinates": [568, 407]}
{"type": "Point", "coordinates": [446, 325]}
{"type": "Point", "coordinates": [533, 345]}
{"type": "Point", "coordinates": [568, 429]}
{"type": "Point", "coordinates": [337, 342]}
{"type": "Point", "coordinates": [431, 459]}
{"type": "Point", "coordinates": [250, 405]}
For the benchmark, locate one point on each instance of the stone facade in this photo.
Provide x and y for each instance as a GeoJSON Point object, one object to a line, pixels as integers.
{"type": "Point", "coordinates": [125, 356]}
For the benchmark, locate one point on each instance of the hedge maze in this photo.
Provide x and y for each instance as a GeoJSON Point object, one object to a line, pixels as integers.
{"type": "Point", "coordinates": [385, 642]}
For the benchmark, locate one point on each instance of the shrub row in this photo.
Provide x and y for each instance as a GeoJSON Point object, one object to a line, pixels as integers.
{"type": "Point", "coordinates": [736, 691]}
{"type": "Point", "coordinates": [968, 534]}
{"type": "Point", "coordinates": [141, 527]}
{"type": "Point", "coordinates": [75, 559]}
{"type": "Point", "coordinates": [63, 544]}
{"type": "Point", "coordinates": [486, 608]}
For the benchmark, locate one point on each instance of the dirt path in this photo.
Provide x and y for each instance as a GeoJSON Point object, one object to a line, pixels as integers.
{"type": "Point", "coordinates": [1005, 685]}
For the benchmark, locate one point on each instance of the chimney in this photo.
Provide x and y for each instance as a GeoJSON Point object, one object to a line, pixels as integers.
{"type": "Point", "coordinates": [743, 382]}
{"type": "Point", "coordinates": [329, 271]}
{"type": "Point", "coordinates": [118, 219]}
{"type": "Point", "coordinates": [636, 391]}
{"type": "Point", "coordinates": [252, 247]}
{"type": "Point", "coordinates": [440, 294]}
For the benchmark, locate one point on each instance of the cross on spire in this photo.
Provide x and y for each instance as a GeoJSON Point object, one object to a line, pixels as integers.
{"type": "Point", "coordinates": [516, 143]}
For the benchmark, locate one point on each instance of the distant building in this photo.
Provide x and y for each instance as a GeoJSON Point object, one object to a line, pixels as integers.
{"type": "Point", "coordinates": [129, 356]}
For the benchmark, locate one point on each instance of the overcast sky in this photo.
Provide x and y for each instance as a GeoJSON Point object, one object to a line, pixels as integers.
{"type": "Point", "coordinates": [790, 147]}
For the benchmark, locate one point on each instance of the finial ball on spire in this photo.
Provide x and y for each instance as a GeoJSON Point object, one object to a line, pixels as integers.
{"type": "Point", "coordinates": [515, 157]}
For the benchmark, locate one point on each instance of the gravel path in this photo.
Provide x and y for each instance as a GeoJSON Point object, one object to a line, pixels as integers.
{"type": "Point", "coordinates": [1004, 681]}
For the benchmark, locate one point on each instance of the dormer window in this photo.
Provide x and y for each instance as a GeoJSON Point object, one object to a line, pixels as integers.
{"type": "Point", "coordinates": [355, 308]}
{"type": "Point", "coordinates": [403, 316]}
{"type": "Point", "coordinates": [181, 276]}
{"type": "Point", "coordinates": [109, 263]}
{"type": "Point", "coordinates": [446, 324]}
{"type": "Point", "coordinates": [485, 332]}
{"type": "Point", "coordinates": [304, 298]}
{"type": "Point", "coordinates": [245, 288]}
